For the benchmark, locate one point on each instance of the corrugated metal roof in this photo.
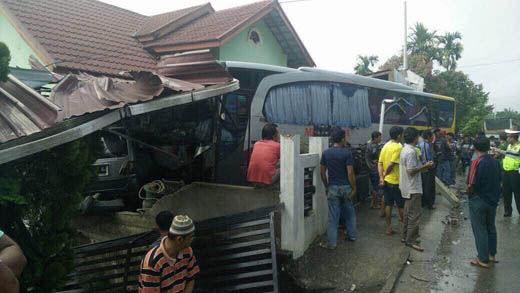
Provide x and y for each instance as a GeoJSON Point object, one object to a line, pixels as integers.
{"type": "Point", "coordinates": [23, 111]}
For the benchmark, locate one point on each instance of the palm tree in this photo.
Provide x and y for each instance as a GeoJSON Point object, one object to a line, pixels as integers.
{"type": "Point", "coordinates": [421, 41]}
{"type": "Point", "coordinates": [364, 64]}
{"type": "Point", "coordinates": [451, 50]}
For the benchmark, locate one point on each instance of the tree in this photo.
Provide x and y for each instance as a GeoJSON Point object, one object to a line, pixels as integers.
{"type": "Point", "coordinates": [5, 58]}
{"type": "Point", "coordinates": [471, 100]}
{"type": "Point", "coordinates": [423, 42]}
{"type": "Point", "coordinates": [364, 64]}
{"type": "Point", "coordinates": [416, 63]}
{"type": "Point", "coordinates": [450, 50]}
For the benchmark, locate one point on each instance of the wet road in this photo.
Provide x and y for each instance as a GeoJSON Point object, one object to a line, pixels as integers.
{"type": "Point", "coordinates": [457, 247]}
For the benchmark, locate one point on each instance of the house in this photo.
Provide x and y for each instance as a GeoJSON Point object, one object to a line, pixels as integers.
{"type": "Point", "coordinates": [98, 38]}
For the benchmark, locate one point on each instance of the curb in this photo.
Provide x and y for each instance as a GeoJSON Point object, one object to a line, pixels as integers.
{"type": "Point", "coordinates": [392, 279]}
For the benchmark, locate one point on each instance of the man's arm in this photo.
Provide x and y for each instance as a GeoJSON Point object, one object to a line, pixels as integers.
{"type": "Point", "coordinates": [389, 169]}
{"type": "Point", "coordinates": [424, 167]}
{"type": "Point", "coordinates": [149, 278]}
{"type": "Point", "coordinates": [381, 172]}
{"type": "Point", "coordinates": [352, 180]}
{"type": "Point", "coordinates": [11, 255]}
{"type": "Point", "coordinates": [189, 287]}
{"type": "Point", "coordinates": [323, 173]}
{"type": "Point", "coordinates": [8, 281]}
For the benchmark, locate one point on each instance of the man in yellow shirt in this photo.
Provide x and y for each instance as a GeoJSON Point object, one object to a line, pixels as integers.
{"type": "Point", "coordinates": [389, 176]}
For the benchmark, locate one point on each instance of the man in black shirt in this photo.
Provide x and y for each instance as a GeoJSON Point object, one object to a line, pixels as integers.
{"type": "Point", "coordinates": [372, 158]}
{"type": "Point", "coordinates": [443, 151]}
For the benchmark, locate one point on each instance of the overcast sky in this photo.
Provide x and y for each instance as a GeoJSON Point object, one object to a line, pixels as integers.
{"type": "Point", "coordinates": [336, 31]}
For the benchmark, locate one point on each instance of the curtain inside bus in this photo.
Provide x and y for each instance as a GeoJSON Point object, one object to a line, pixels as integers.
{"type": "Point", "coordinates": [350, 106]}
{"type": "Point", "coordinates": [318, 103]}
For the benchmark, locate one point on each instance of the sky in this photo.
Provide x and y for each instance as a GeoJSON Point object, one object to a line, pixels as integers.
{"type": "Point", "coordinates": [335, 32]}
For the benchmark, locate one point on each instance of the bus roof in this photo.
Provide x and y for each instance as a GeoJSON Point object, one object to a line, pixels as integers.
{"type": "Point", "coordinates": [336, 76]}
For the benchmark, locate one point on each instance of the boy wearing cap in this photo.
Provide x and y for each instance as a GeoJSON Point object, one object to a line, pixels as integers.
{"type": "Point", "coordinates": [171, 266]}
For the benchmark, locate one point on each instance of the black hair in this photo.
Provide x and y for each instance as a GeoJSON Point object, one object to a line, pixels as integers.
{"type": "Point", "coordinates": [410, 134]}
{"type": "Point", "coordinates": [395, 132]}
{"type": "Point", "coordinates": [436, 130]}
{"type": "Point", "coordinates": [451, 134]}
{"type": "Point", "coordinates": [269, 131]}
{"type": "Point", "coordinates": [481, 133]}
{"type": "Point", "coordinates": [514, 135]}
{"type": "Point", "coordinates": [481, 144]}
{"type": "Point", "coordinates": [427, 134]}
{"type": "Point", "coordinates": [375, 134]}
{"type": "Point", "coordinates": [164, 220]}
{"type": "Point", "coordinates": [503, 136]}
{"type": "Point", "coordinates": [492, 137]}
{"type": "Point", "coordinates": [336, 134]}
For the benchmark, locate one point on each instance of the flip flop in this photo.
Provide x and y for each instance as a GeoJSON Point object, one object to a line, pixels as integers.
{"type": "Point", "coordinates": [375, 208]}
{"type": "Point", "coordinates": [325, 245]}
{"type": "Point", "coordinates": [415, 246]}
{"type": "Point", "coordinates": [390, 233]}
{"type": "Point", "coordinates": [494, 260]}
{"type": "Point", "coordinates": [476, 262]}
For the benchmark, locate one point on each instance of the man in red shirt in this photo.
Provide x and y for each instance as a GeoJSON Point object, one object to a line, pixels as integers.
{"type": "Point", "coordinates": [264, 167]}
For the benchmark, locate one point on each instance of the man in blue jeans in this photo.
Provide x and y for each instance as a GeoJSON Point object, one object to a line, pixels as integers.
{"type": "Point", "coordinates": [340, 187]}
{"type": "Point", "coordinates": [484, 193]}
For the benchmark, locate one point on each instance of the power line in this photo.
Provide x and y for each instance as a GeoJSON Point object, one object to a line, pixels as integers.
{"type": "Point", "coordinates": [291, 1]}
{"type": "Point", "coordinates": [486, 64]}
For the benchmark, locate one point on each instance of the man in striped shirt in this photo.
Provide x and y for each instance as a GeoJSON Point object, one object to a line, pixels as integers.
{"type": "Point", "coordinates": [171, 266]}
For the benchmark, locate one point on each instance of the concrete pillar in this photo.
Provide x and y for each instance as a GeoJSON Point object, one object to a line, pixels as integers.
{"type": "Point", "coordinates": [320, 205]}
{"type": "Point", "coordinates": [291, 188]}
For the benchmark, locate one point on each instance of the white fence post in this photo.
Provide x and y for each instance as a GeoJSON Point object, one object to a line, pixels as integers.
{"type": "Point", "coordinates": [319, 202]}
{"type": "Point", "coordinates": [291, 187]}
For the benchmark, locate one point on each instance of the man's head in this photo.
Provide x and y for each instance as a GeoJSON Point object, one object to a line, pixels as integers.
{"type": "Point", "coordinates": [163, 221]}
{"type": "Point", "coordinates": [492, 138]}
{"type": "Point", "coordinates": [270, 132]}
{"type": "Point", "coordinates": [466, 138]}
{"type": "Point", "coordinates": [502, 138]}
{"type": "Point", "coordinates": [376, 136]}
{"type": "Point", "coordinates": [427, 134]}
{"type": "Point", "coordinates": [512, 138]}
{"type": "Point", "coordinates": [411, 135]}
{"type": "Point", "coordinates": [396, 133]}
{"type": "Point", "coordinates": [481, 133]}
{"type": "Point", "coordinates": [451, 136]}
{"type": "Point", "coordinates": [481, 144]}
{"type": "Point", "coordinates": [436, 131]}
{"type": "Point", "coordinates": [337, 135]}
{"type": "Point", "coordinates": [441, 132]}
{"type": "Point", "coordinates": [182, 231]}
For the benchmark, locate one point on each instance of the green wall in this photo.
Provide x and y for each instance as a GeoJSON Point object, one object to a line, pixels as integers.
{"type": "Point", "coordinates": [20, 50]}
{"type": "Point", "coordinates": [240, 49]}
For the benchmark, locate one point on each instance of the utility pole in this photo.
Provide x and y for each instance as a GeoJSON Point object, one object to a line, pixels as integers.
{"type": "Point", "coordinates": [405, 47]}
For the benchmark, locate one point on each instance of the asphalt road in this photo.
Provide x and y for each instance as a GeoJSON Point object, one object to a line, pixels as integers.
{"type": "Point", "coordinates": [445, 267]}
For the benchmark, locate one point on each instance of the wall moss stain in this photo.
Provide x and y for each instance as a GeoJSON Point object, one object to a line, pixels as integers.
{"type": "Point", "coordinates": [20, 50]}
{"type": "Point", "coordinates": [268, 51]}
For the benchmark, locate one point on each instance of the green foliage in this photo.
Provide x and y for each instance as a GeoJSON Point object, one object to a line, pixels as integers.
{"type": "Point", "coordinates": [45, 190]}
{"type": "Point", "coordinates": [450, 50]}
{"type": "Point", "coordinates": [510, 114]}
{"type": "Point", "coordinates": [364, 64]}
{"type": "Point", "coordinates": [5, 58]}
{"type": "Point", "coordinates": [423, 42]}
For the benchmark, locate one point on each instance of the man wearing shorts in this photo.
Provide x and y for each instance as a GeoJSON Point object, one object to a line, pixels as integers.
{"type": "Point", "coordinates": [389, 176]}
{"type": "Point", "coordinates": [372, 158]}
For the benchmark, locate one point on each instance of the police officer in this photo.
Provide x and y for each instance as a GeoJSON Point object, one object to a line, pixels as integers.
{"type": "Point", "coordinates": [511, 165]}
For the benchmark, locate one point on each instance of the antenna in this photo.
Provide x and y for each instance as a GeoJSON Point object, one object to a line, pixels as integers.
{"type": "Point", "coordinates": [405, 47]}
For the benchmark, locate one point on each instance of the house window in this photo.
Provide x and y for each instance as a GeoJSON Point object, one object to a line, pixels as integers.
{"type": "Point", "coordinates": [254, 37]}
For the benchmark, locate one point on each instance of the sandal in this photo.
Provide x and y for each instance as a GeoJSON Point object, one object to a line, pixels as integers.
{"type": "Point", "coordinates": [391, 232]}
{"type": "Point", "coordinates": [375, 207]}
{"type": "Point", "coordinates": [477, 262]}
{"type": "Point", "coordinates": [325, 245]}
{"type": "Point", "coordinates": [415, 246]}
{"type": "Point", "coordinates": [492, 259]}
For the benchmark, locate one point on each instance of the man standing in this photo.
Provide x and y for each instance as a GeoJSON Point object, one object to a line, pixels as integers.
{"type": "Point", "coordinates": [372, 157]}
{"type": "Point", "coordinates": [428, 177]}
{"type": "Point", "coordinates": [484, 192]}
{"type": "Point", "coordinates": [264, 167]}
{"type": "Point", "coordinates": [389, 176]}
{"type": "Point", "coordinates": [410, 184]}
{"type": "Point", "coordinates": [443, 156]}
{"type": "Point", "coordinates": [511, 165]}
{"type": "Point", "coordinates": [171, 266]}
{"type": "Point", "coordinates": [163, 221]}
{"type": "Point", "coordinates": [453, 157]}
{"type": "Point", "coordinates": [466, 152]}
{"type": "Point", "coordinates": [340, 187]}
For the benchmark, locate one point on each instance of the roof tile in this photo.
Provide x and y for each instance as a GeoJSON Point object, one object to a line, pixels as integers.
{"type": "Point", "coordinates": [155, 22]}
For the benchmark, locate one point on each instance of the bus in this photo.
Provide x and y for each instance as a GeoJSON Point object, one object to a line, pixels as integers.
{"type": "Point", "coordinates": [308, 101]}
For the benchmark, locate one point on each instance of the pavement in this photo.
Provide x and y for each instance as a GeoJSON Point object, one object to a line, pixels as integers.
{"type": "Point", "coordinates": [378, 263]}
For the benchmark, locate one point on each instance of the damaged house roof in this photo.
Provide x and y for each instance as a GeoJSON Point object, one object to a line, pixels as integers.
{"type": "Point", "coordinates": [95, 37]}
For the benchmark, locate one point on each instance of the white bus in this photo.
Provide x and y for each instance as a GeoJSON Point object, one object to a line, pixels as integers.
{"type": "Point", "coordinates": [308, 101]}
